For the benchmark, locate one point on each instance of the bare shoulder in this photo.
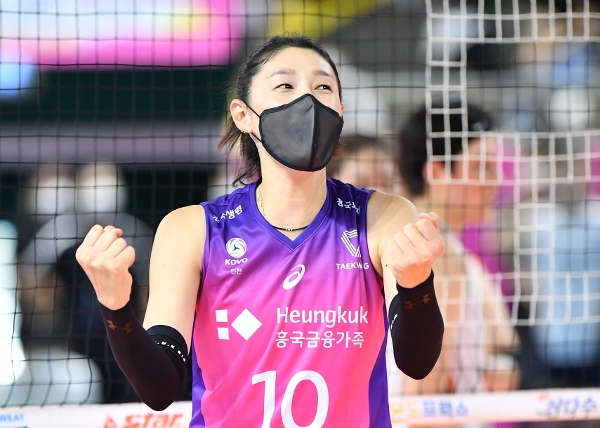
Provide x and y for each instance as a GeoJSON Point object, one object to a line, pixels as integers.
{"type": "Point", "coordinates": [389, 213]}
{"type": "Point", "coordinates": [184, 218]}
{"type": "Point", "coordinates": [183, 227]}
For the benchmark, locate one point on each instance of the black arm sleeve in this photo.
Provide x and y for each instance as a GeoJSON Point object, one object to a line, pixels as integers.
{"type": "Point", "coordinates": [417, 329]}
{"type": "Point", "coordinates": [153, 361]}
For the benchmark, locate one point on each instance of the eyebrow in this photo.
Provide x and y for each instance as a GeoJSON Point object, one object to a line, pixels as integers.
{"type": "Point", "coordinates": [322, 73]}
{"type": "Point", "coordinates": [291, 71]}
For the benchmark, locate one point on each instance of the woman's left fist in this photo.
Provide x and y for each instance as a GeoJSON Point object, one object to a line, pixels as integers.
{"type": "Point", "coordinates": [414, 250]}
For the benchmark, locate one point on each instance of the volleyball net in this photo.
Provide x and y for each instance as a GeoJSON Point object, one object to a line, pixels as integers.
{"type": "Point", "coordinates": [110, 112]}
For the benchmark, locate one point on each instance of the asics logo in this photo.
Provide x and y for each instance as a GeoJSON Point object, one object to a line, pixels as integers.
{"type": "Point", "coordinates": [294, 278]}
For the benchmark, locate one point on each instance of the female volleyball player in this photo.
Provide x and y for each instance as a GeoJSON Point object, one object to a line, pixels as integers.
{"type": "Point", "coordinates": [277, 289]}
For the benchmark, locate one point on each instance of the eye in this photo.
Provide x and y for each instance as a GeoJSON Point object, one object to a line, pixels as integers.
{"type": "Point", "coordinates": [284, 86]}
{"type": "Point", "coordinates": [324, 87]}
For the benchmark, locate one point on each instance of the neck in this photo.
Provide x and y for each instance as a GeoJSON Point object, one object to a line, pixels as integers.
{"type": "Point", "coordinates": [291, 205]}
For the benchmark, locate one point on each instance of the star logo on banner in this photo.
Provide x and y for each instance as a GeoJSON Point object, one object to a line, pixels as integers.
{"type": "Point", "coordinates": [110, 423]}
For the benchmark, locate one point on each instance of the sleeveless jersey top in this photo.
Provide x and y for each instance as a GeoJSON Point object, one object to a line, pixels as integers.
{"type": "Point", "coordinates": [289, 333]}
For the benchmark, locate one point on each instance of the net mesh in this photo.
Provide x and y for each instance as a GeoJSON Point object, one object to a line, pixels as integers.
{"type": "Point", "coordinates": [543, 229]}
{"type": "Point", "coordinates": [111, 113]}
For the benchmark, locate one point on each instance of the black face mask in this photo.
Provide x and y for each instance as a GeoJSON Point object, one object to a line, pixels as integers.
{"type": "Point", "coordinates": [302, 134]}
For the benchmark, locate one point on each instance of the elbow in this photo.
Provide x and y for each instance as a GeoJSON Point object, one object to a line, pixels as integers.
{"type": "Point", "coordinates": [160, 400]}
{"type": "Point", "coordinates": [158, 405]}
{"type": "Point", "coordinates": [419, 368]}
{"type": "Point", "coordinates": [416, 375]}
{"type": "Point", "coordinates": [417, 372]}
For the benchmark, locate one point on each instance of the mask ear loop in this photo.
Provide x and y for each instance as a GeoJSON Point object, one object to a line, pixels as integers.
{"type": "Point", "coordinates": [252, 133]}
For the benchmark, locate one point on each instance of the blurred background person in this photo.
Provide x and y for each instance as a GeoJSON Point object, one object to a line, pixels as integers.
{"type": "Point", "coordinates": [460, 185]}
{"type": "Point", "coordinates": [12, 356]}
{"type": "Point", "coordinates": [46, 193]}
{"type": "Point", "coordinates": [365, 162]}
{"type": "Point", "coordinates": [58, 299]}
{"type": "Point", "coordinates": [36, 375]}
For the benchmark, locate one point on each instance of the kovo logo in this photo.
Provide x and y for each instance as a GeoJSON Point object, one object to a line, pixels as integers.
{"type": "Point", "coordinates": [236, 247]}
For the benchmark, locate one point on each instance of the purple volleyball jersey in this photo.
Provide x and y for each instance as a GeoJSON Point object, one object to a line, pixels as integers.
{"type": "Point", "coordinates": [289, 333]}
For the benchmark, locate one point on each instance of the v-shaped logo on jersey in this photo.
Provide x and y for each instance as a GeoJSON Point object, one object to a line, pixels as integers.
{"type": "Point", "coordinates": [346, 239]}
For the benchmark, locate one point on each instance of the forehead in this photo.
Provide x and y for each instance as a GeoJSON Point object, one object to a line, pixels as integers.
{"type": "Point", "coordinates": [296, 59]}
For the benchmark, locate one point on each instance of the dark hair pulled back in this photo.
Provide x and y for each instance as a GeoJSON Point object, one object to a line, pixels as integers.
{"type": "Point", "coordinates": [250, 68]}
{"type": "Point", "coordinates": [412, 151]}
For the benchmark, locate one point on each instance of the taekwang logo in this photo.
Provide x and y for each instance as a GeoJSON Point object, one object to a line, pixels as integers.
{"type": "Point", "coordinates": [346, 239]}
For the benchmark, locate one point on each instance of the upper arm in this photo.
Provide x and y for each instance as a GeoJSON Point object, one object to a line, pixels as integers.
{"type": "Point", "coordinates": [386, 216]}
{"type": "Point", "coordinates": [175, 270]}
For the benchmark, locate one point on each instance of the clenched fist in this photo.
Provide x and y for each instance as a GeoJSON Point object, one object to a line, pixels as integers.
{"type": "Point", "coordinates": [105, 257]}
{"type": "Point", "coordinates": [414, 250]}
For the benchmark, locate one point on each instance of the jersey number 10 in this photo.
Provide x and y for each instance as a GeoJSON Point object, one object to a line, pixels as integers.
{"type": "Point", "coordinates": [286, 404]}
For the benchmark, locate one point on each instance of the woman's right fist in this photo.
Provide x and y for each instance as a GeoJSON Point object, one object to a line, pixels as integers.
{"type": "Point", "coordinates": [105, 257]}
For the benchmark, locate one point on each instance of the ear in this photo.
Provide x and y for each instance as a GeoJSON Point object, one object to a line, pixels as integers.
{"type": "Point", "coordinates": [240, 114]}
{"type": "Point", "coordinates": [437, 169]}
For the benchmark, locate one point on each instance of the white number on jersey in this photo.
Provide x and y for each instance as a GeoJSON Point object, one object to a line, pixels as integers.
{"type": "Point", "coordinates": [286, 404]}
